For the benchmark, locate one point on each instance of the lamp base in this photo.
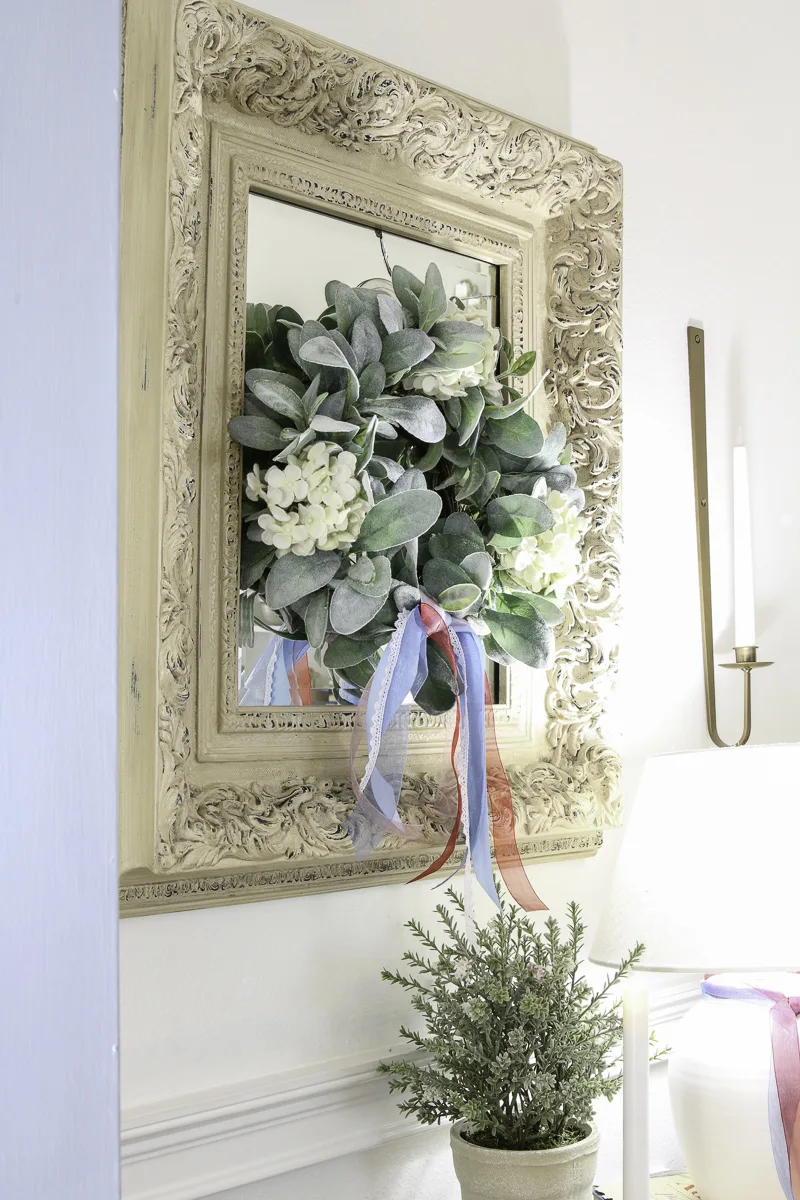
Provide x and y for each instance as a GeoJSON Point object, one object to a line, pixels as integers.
{"type": "Point", "coordinates": [719, 1082]}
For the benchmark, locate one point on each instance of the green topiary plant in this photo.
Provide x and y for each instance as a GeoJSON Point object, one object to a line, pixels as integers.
{"type": "Point", "coordinates": [518, 1043]}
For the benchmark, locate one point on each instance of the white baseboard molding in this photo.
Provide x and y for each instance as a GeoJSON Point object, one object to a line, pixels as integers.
{"type": "Point", "coordinates": [192, 1147]}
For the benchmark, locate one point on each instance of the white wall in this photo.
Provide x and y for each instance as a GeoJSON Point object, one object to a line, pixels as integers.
{"type": "Point", "coordinates": [695, 100]}
{"type": "Point", "coordinates": [59, 135]}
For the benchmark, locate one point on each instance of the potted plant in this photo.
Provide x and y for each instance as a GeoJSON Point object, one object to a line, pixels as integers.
{"type": "Point", "coordinates": [517, 1047]}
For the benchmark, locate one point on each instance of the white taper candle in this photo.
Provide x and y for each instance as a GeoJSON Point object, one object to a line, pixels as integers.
{"type": "Point", "coordinates": [635, 1094]}
{"type": "Point", "coordinates": [744, 621]}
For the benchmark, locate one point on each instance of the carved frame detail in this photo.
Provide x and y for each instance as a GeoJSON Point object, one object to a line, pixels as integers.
{"type": "Point", "coordinates": [189, 839]}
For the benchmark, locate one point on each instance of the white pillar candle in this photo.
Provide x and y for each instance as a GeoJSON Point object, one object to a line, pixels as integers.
{"type": "Point", "coordinates": [635, 1094]}
{"type": "Point", "coordinates": [744, 621]}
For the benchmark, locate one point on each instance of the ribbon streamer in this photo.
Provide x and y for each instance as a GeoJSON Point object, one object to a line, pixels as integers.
{"type": "Point", "coordinates": [281, 677]}
{"type": "Point", "coordinates": [784, 1092]}
{"type": "Point", "coordinates": [482, 786]}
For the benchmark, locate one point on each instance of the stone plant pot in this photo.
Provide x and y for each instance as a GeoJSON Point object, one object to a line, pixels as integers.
{"type": "Point", "coordinates": [564, 1173]}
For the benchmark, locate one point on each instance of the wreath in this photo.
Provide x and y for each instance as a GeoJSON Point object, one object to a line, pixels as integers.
{"type": "Point", "coordinates": [388, 455]}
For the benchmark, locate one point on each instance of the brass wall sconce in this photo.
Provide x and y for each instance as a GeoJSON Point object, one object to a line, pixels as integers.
{"type": "Point", "coordinates": [746, 655]}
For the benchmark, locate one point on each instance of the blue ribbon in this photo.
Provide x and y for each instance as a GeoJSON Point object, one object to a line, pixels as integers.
{"type": "Point", "coordinates": [401, 672]}
{"type": "Point", "coordinates": [267, 684]}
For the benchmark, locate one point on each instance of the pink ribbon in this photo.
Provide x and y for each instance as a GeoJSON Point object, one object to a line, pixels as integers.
{"type": "Point", "coordinates": [785, 1076]}
{"type": "Point", "coordinates": [786, 1063]}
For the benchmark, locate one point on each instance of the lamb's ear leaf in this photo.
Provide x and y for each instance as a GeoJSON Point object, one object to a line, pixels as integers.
{"type": "Point", "coordinates": [295, 446]}
{"type": "Point", "coordinates": [351, 610]}
{"type": "Point", "coordinates": [473, 482]}
{"type": "Point", "coordinates": [440, 669]}
{"type": "Point", "coordinates": [435, 698]}
{"type": "Point", "coordinates": [277, 397]}
{"type": "Point", "coordinates": [527, 639]}
{"type": "Point", "coordinates": [502, 412]}
{"type": "Point", "coordinates": [452, 547]}
{"type": "Point", "coordinates": [380, 581]}
{"type": "Point", "coordinates": [561, 479]}
{"type": "Point", "coordinates": [316, 619]}
{"type": "Point", "coordinates": [324, 424]}
{"type": "Point", "coordinates": [407, 288]}
{"type": "Point", "coordinates": [295, 385]}
{"type": "Point", "coordinates": [256, 557]}
{"type": "Point", "coordinates": [294, 576]}
{"type": "Point", "coordinates": [519, 435]}
{"type": "Point", "coordinates": [472, 406]}
{"type": "Point", "coordinates": [451, 335]}
{"type": "Point", "coordinates": [518, 515]}
{"type": "Point", "coordinates": [458, 455]}
{"type": "Point", "coordinates": [333, 405]}
{"type": "Point", "coordinates": [257, 319]}
{"type": "Point", "coordinates": [391, 313]}
{"type": "Point", "coordinates": [313, 397]}
{"type": "Point", "coordinates": [363, 569]}
{"type": "Point", "coordinates": [297, 335]}
{"type": "Point", "coordinates": [463, 526]}
{"type": "Point", "coordinates": [432, 302]}
{"type": "Point", "coordinates": [439, 574]}
{"type": "Point", "coordinates": [253, 350]}
{"type": "Point", "coordinates": [479, 568]}
{"type": "Point", "coordinates": [496, 652]}
{"type": "Point", "coordinates": [366, 342]}
{"type": "Point", "coordinates": [347, 305]}
{"type": "Point", "coordinates": [347, 652]}
{"type": "Point", "coordinates": [259, 433]}
{"type": "Point", "coordinates": [486, 490]}
{"type": "Point", "coordinates": [406, 596]}
{"type": "Point", "coordinates": [397, 519]}
{"type": "Point", "coordinates": [418, 415]}
{"type": "Point", "coordinates": [409, 481]}
{"type": "Point", "coordinates": [365, 441]}
{"type": "Point", "coordinates": [324, 352]}
{"type": "Point", "coordinates": [430, 458]}
{"type": "Point", "coordinates": [386, 468]}
{"type": "Point", "coordinates": [460, 597]}
{"type": "Point", "coordinates": [372, 381]}
{"type": "Point", "coordinates": [468, 355]}
{"type": "Point", "coordinates": [550, 613]}
{"type": "Point", "coordinates": [404, 349]}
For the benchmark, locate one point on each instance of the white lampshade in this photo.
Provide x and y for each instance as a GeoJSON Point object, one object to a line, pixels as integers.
{"type": "Point", "coordinates": [709, 868]}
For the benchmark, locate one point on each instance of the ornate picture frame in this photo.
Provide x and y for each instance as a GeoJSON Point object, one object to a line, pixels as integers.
{"type": "Point", "coordinates": [220, 804]}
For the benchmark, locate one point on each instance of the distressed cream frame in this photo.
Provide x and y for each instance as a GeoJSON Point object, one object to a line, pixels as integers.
{"type": "Point", "coordinates": [219, 804]}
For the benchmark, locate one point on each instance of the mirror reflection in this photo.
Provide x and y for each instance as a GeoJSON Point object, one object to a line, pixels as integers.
{"type": "Point", "coordinates": [292, 254]}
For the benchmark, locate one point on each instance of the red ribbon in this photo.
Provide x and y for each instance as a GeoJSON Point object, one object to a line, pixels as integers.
{"type": "Point", "coordinates": [299, 677]}
{"type": "Point", "coordinates": [786, 1061]}
{"type": "Point", "coordinates": [501, 805]}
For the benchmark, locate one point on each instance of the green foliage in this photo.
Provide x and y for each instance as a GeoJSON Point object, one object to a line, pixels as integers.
{"type": "Point", "coordinates": [398, 518]}
{"type": "Point", "coordinates": [448, 477]}
{"type": "Point", "coordinates": [515, 1040]}
{"type": "Point", "coordinates": [525, 637]}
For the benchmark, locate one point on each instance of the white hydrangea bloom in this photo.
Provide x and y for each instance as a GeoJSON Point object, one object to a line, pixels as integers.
{"type": "Point", "coordinates": [436, 382]}
{"type": "Point", "coordinates": [315, 502]}
{"type": "Point", "coordinates": [254, 486]}
{"type": "Point", "coordinates": [550, 562]}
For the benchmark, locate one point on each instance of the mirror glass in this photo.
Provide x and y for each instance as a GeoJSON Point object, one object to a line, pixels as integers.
{"type": "Point", "coordinates": [292, 253]}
